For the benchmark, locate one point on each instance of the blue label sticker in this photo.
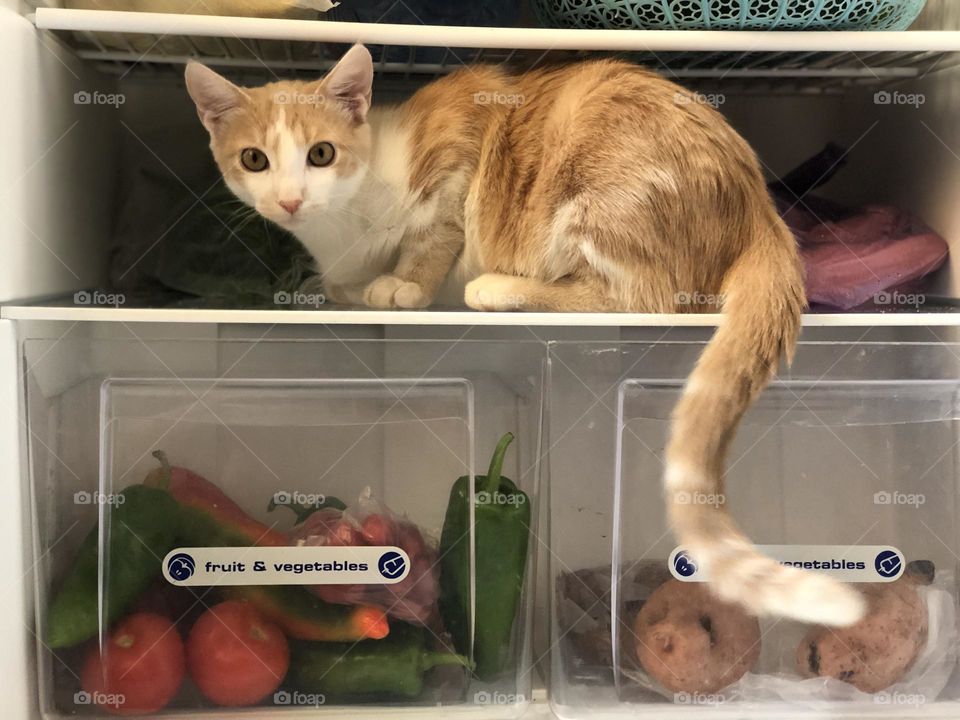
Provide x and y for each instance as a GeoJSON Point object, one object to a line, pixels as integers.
{"type": "Point", "coordinates": [181, 566]}
{"type": "Point", "coordinates": [888, 563]}
{"type": "Point", "coordinates": [684, 565]}
{"type": "Point", "coordinates": [856, 563]}
{"type": "Point", "coordinates": [391, 565]}
{"type": "Point", "coordinates": [295, 565]}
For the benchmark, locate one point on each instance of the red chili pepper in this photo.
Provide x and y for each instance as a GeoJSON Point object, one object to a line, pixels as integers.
{"type": "Point", "coordinates": [233, 525]}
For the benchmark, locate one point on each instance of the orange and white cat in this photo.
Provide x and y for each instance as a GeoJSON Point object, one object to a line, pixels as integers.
{"type": "Point", "coordinates": [593, 187]}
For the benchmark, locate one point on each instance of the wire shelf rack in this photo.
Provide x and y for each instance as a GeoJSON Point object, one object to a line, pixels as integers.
{"type": "Point", "coordinates": [771, 62]}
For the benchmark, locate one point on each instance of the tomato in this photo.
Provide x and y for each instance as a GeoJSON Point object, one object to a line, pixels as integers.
{"type": "Point", "coordinates": [377, 530]}
{"type": "Point", "coordinates": [141, 668]}
{"type": "Point", "coordinates": [235, 656]}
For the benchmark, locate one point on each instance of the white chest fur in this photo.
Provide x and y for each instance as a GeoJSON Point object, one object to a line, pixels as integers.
{"type": "Point", "coordinates": [355, 244]}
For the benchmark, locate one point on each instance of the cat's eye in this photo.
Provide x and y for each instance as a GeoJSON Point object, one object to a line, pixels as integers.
{"type": "Point", "coordinates": [254, 160]}
{"type": "Point", "coordinates": [321, 154]}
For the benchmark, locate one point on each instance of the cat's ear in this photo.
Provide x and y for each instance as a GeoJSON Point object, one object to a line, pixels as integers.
{"type": "Point", "coordinates": [350, 82]}
{"type": "Point", "coordinates": [213, 94]}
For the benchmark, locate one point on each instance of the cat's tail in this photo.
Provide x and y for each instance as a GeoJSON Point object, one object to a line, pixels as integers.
{"type": "Point", "coordinates": [763, 303]}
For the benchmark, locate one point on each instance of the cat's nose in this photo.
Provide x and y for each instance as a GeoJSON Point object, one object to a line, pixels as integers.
{"type": "Point", "coordinates": [291, 206]}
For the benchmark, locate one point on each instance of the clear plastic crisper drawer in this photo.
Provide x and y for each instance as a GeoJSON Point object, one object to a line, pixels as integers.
{"type": "Point", "coordinates": [274, 527]}
{"type": "Point", "coordinates": [847, 462]}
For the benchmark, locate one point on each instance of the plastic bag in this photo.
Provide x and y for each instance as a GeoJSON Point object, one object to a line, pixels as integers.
{"type": "Point", "coordinates": [922, 683]}
{"type": "Point", "coordinates": [867, 257]}
{"type": "Point", "coordinates": [876, 255]}
{"type": "Point", "coordinates": [369, 522]}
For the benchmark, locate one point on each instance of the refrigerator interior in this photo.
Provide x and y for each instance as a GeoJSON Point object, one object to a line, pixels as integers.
{"type": "Point", "coordinates": [111, 156]}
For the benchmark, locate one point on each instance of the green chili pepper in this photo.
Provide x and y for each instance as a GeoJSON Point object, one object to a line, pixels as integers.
{"type": "Point", "coordinates": [501, 532]}
{"type": "Point", "coordinates": [143, 529]}
{"type": "Point", "coordinates": [369, 669]}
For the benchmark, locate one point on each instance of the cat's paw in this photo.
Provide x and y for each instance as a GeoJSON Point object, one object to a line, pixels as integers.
{"type": "Point", "coordinates": [345, 294]}
{"type": "Point", "coordinates": [389, 291]}
{"type": "Point", "coordinates": [495, 292]}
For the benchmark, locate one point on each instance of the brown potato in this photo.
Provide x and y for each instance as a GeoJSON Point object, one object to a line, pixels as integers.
{"type": "Point", "coordinates": [690, 641]}
{"type": "Point", "coordinates": [877, 651]}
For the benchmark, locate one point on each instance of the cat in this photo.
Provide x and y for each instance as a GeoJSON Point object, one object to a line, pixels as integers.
{"type": "Point", "coordinates": [598, 186]}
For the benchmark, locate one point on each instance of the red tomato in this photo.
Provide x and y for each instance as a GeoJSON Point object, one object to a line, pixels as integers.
{"type": "Point", "coordinates": [346, 535]}
{"type": "Point", "coordinates": [235, 656]}
{"type": "Point", "coordinates": [141, 667]}
{"type": "Point", "coordinates": [377, 530]}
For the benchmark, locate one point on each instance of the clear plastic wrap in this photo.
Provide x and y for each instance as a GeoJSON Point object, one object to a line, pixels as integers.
{"type": "Point", "coordinates": [370, 522]}
{"type": "Point", "coordinates": [776, 677]}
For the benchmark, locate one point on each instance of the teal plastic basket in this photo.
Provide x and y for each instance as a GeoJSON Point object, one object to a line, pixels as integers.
{"type": "Point", "coordinates": [730, 14]}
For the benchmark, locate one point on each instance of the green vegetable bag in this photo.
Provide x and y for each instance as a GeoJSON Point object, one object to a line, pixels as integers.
{"type": "Point", "coordinates": [501, 532]}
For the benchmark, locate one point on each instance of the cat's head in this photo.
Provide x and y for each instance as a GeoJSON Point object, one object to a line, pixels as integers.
{"type": "Point", "coordinates": [291, 149]}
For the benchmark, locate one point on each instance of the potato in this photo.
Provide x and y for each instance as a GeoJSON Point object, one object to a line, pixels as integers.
{"type": "Point", "coordinates": [877, 651]}
{"type": "Point", "coordinates": [690, 641]}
